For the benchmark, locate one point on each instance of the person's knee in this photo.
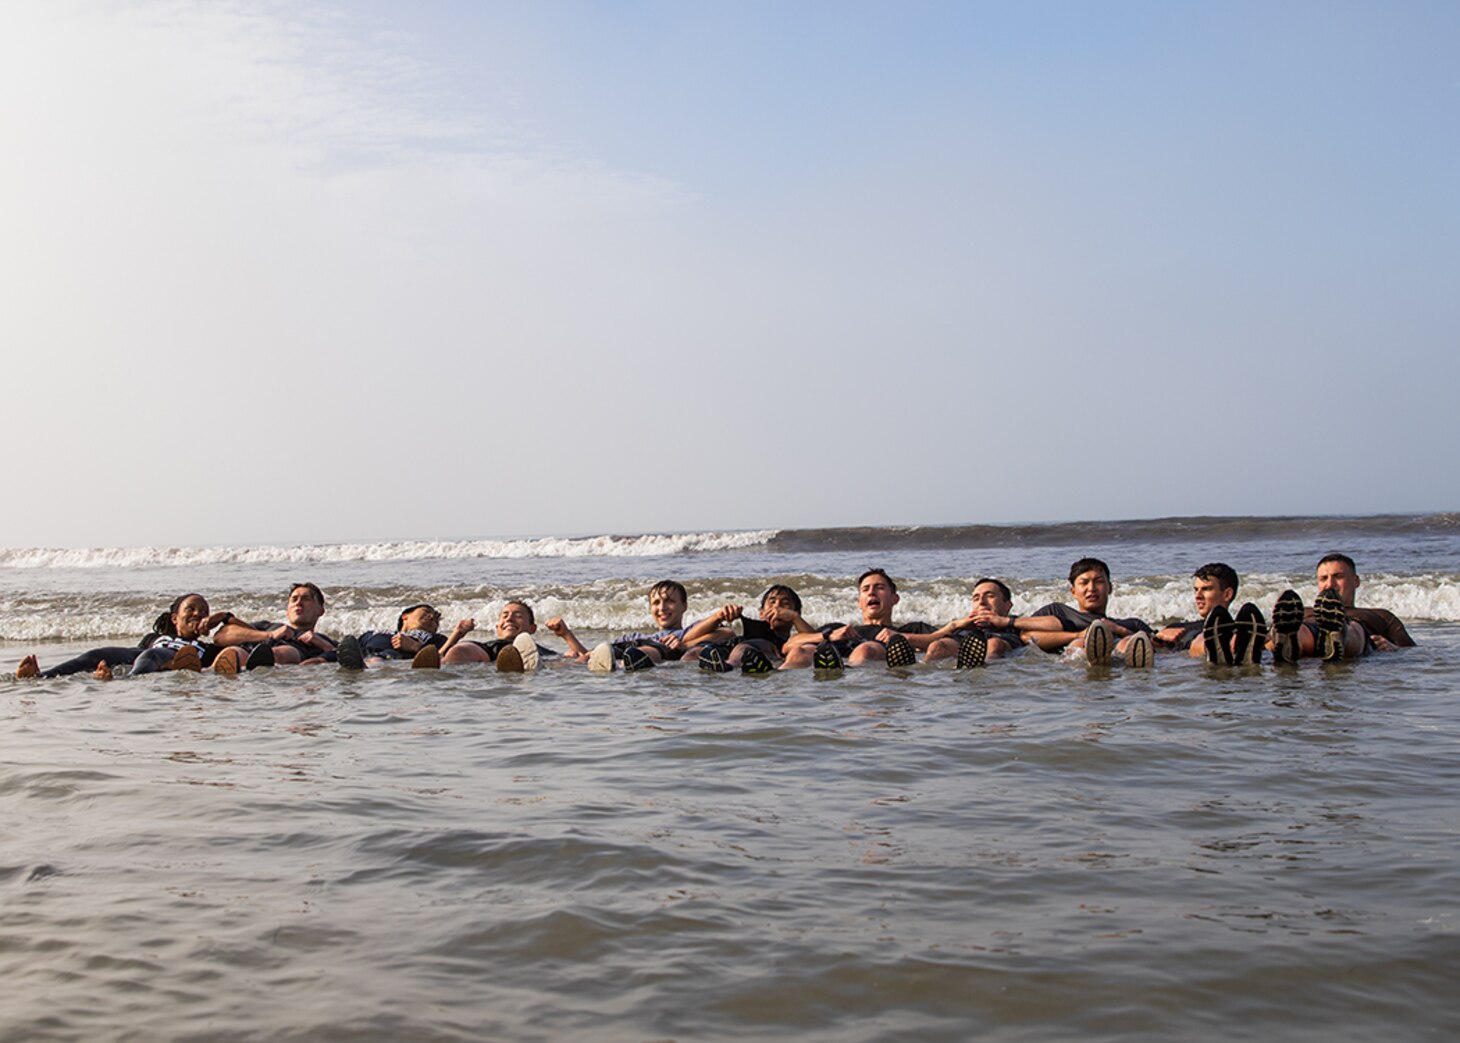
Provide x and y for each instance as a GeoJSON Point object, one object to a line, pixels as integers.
{"type": "Point", "coordinates": [286, 656]}
{"type": "Point", "coordinates": [867, 652]}
{"type": "Point", "coordinates": [942, 648]}
{"type": "Point", "coordinates": [466, 653]}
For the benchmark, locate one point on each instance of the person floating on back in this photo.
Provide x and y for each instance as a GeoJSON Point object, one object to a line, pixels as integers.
{"type": "Point", "coordinates": [1055, 627]}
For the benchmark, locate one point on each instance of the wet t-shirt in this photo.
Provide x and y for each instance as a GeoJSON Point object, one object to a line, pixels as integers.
{"type": "Point", "coordinates": [1073, 621]}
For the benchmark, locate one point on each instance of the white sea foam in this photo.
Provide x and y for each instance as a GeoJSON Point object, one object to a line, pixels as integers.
{"type": "Point", "coordinates": [407, 550]}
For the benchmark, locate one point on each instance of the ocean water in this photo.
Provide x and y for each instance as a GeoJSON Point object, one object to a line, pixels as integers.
{"type": "Point", "coordinates": [1034, 850]}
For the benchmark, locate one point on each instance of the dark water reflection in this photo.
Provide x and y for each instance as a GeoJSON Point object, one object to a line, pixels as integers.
{"type": "Point", "coordinates": [1025, 852]}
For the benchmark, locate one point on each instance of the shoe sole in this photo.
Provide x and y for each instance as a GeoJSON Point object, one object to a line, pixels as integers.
{"type": "Point", "coordinates": [1332, 621]}
{"type": "Point", "coordinates": [1287, 620]}
{"type": "Point", "coordinates": [973, 651]}
{"type": "Point", "coordinates": [636, 659]}
{"type": "Point", "coordinates": [900, 652]}
{"type": "Point", "coordinates": [600, 660]}
{"type": "Point", "coordinates": [348, 655]}
{"type": "Point", "coordinates": [262, 655]}
{"type": "Point", "coordinates": [1216, 635]}
{"type": "Point", "coordinates": [1251, 636]}
{"type": "Point", "coordinates": [186, 659]}
{"type": "Point", "coordinates": [755, 663]}
{"type": "Point", "coordinates": [712, 661]}
{"type": "Point", "coordinates": [228, 662]}
{"type": "Point", "coordinates": [509, 660]}
{"type": "Point", "coordinates": [527, 649]}
{"type": "Point", "coordinates": [1140, 653]}
{"type": "Point", "coordinates": [428, 658]}
{"type": "Point", "coordinates": [1097, 644]}
{"type": "Point", "coordinates": [827, 659]}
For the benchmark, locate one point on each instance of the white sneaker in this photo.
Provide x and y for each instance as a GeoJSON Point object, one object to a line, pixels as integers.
{"type": "Point", "coordinates": [528, 648]}
{"type": "Point", "coordinates": [600, 660]}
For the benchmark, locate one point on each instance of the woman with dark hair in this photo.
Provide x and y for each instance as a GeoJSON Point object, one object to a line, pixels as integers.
{"type": "Point", "coordinates": [175, 642]}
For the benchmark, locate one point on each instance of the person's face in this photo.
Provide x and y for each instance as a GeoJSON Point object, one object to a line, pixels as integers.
{"type": "Point", "coordinates": [667, 608]}
{"type": "Point", "coordinates": [875, 598]}
{"type": "Point", "coordinates": [990, 597]}
{"type": "Point", "coordinates": [424, 618]}
{"type": "Point", "coordinates": [304, 609]}
{"type": "Point", "coordinates": [1091, 591]}
{"type": "Point", "coordinates": [514, 620]}
{"type": "Point", "coordinates": [1209, 594]}
{"type": "Point", "coordinates": [189, 617]}
{"type": "Point", "coordinates": [777, 607]}
{"type": "Point", "coordinates": [1335, 575]}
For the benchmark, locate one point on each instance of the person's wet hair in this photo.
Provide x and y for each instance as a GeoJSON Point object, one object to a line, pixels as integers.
{"type": "Point", "coordinates": [1004, 590]}
{"type": "Point", "coordinates": [669, 586]}
{"type": "Point", "coordinates": [1225, 575]}
{"type": "Point", "coordinates": [781, 590]}
{"type": "Point", "coordinates": [163, 624]}
{"type": "Point", "coordinates": [318, 594]}
{"type": "Point", "coordinates": [1085, 565]}
{"type": "Point", "coordinates": [531, 615]}
{"type": "Point", "coordinates": [400, 620]}
{"type": "Point", "coordinates": [1342, 559]}
{"type": "Point", "coordinates": [877, 572]}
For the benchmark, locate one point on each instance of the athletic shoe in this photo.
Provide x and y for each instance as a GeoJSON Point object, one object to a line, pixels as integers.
{"type": "Point", "coordinates": [1332, 621]}
{"type": "Point", "coordinates": [1140, 653]}
{"type": "Point", "coordinates": [527, 648]}
{"type": "Point", "coordinates": [900, 651]}
{"type": "Point", "coordinates": [826, 658]}
{"type": "Point", "coordinates": [1287, 620]}
{"type": "Point", "coordinates": [428, 658]}
{"type": "Point", "coordinates": [347, 654]}
{"type": "Point", "coordinates": [263, 655]}
{"type": "Point", "coordinates": [1097, 643]}
{"type": "Point", "coordinates": [755, 662]}
{"type": "Point", "coordinates": [635, 658]}
{"type": "Point", "coordinates": [712, 660]}
{"type": "Point", "coordinates": [1251, 636]}
{"type": "Point", "coordinates": [509, 660]}
{"type": "Point", "coordinates": [1216, 634]}
{"type": "Point", "coordinates": [600, 660]}
{"type": "Point", "coordinates": [973, 650]}
{"type": "Point", "coordinates": [186, 658]}
{"type": "Point", "coordinates": [229, 661]}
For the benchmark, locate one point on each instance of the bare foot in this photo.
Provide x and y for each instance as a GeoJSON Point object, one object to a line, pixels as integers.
{"type": "Point", "coordinates": [28, 667]}
{"type": "Point", "coordinates": [102, 671]}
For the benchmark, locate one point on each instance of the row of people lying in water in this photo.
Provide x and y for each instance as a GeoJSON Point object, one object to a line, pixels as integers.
{"type": "Point", "coordinates": [780, 638]}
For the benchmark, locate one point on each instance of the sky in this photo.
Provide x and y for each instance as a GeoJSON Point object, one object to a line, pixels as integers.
{"type": "Point", "coordinates": [280, 273]}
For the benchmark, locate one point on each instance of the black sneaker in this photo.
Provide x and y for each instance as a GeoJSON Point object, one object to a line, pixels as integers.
{"type": "Point", "coordinates": [1216, 633]}
{"type": "Point", "coordinates": [263, 655]}
{"type": "Point", "coordinates": [347, 654]}
{"type": "Point", "coordinates": [973, 650]}
{"type": "Point", "coordinates": [755, 662]}
{"type": "Point", "coordinates": [1332, 622]}
{"type": "Point", "coordinates": [900, 651]}
{"type": "Point", "coordinates": [635, 658]}
{"type": "Point", "coordinates": [826, 658]}
{"type": "Point", "coordinates": [1251, 636]}
{"type": "Point", "coordinates": [712, 660]}
{"type": "Point", "coordinates": [1287, 620]}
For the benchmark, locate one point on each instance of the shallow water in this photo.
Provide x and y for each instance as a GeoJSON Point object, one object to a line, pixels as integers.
{"type": "Point", "coordinates": [1033, 850]}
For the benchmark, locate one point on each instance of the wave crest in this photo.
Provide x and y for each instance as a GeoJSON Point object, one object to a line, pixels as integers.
{"type": "Point", "coordinates": [647, 546]}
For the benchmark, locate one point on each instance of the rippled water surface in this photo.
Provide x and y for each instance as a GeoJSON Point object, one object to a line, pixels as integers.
{"type": "Point", "coordinates": [1030, 851]}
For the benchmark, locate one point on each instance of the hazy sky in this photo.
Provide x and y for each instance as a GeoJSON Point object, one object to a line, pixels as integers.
{"type": "Point", "coordinates": [274, 273]}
